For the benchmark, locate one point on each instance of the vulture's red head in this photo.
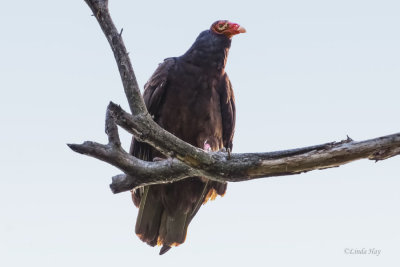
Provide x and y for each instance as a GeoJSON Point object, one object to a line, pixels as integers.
{"type": "Point", "coordinates": [227, 28]}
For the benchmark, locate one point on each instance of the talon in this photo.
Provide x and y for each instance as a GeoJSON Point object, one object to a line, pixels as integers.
{"type": "Point", "coordinates": [229, 153]}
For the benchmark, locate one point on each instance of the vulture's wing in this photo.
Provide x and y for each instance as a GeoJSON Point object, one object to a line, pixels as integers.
{"type": "Point", "coordinates": [228, 111]}
{"type": "Point", "coordinates": [154, 91]}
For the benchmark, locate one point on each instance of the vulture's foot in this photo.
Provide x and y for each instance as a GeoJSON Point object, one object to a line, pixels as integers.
{"type": "Point", "coordinates": [207, 147]}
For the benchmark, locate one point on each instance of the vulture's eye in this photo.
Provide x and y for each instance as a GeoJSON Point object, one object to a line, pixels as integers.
{"type": "Point", "coordinates": [222, 26]}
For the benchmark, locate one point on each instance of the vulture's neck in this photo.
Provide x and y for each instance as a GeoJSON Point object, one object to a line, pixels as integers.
{"type": "Point", "coordinates": [209, 51]}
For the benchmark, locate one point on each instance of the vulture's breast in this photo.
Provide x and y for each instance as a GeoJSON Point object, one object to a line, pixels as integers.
{"type": "Point", "coordinates": [191, 107]}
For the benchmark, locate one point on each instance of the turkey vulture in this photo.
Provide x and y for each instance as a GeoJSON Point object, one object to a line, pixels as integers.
{"type": "Point", "coordinates": [191, 97]}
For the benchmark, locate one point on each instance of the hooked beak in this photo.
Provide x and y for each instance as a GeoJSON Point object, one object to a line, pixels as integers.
{"type": "Point", "coordinates": [241, 29]}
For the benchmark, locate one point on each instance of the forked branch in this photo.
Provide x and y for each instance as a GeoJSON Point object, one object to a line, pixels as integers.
{"type": "Point", "coordinates": [239, 166]}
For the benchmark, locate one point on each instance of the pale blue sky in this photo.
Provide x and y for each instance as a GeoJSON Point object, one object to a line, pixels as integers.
{"type": "Point", "coordinates": [306, 72]}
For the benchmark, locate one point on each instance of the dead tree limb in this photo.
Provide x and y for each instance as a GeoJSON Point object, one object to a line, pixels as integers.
{"type": "Point", "coordinates": [185, 160]}
{"type": "Point", "coordinates": [114, 38]}
{"type": "Point", "coordinates": [239, 167]}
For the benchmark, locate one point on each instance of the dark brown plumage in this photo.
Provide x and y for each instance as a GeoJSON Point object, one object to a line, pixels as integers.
{"type": "Point", "coordinates": [191, 97]}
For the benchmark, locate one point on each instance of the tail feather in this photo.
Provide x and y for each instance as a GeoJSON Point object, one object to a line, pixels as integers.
{"type": "Point", "coordinates": [149, 217]}
{"type": "Point", "coordinates": [165, 224]}
{"type": "Point", "coordinates": [164, 249]}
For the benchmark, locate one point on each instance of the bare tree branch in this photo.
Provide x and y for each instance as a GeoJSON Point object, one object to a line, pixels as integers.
{"type": "Point", "coordinates": [185, 160]}
{"type": "Point", "coordinates": [112, 130]}
{"type": "Point", "coordinates": [137, 172]}
{"type": "Point", "coordinates": [131, 87]}
{"type": "Point", "coordinates": [146, 130]}
{"type": "Point", "coordinates": [240, 166]}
